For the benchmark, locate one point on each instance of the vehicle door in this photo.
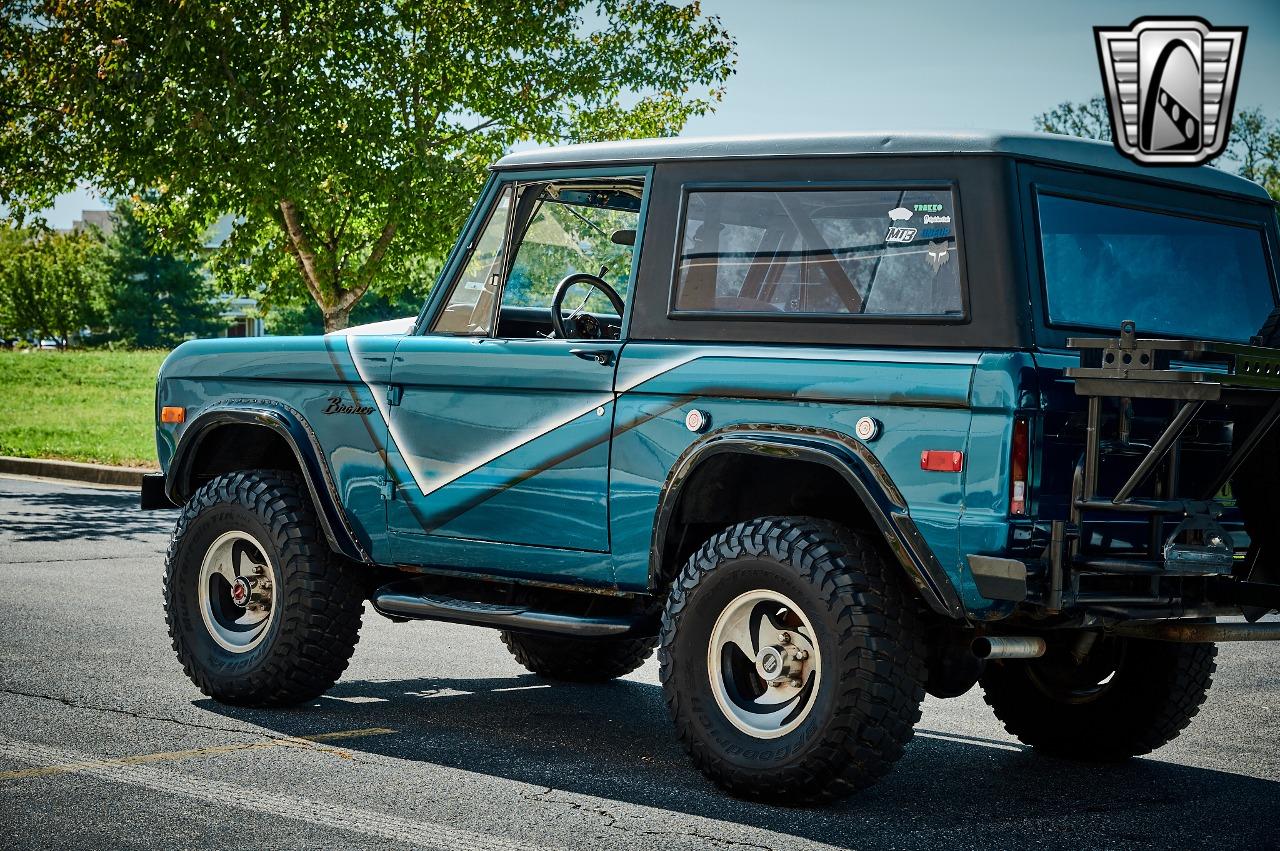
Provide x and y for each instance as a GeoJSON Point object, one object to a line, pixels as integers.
{"type": "Point", "coordinates": [501, 425]}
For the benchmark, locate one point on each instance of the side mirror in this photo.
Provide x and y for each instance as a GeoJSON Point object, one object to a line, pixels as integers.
{"type": "Point", "coordinates": [623, 237]}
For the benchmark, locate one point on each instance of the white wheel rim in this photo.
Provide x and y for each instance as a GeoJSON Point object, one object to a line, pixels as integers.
{"type": "Point", "coordinates": [236, 565]}
{"type": "Point", "coordinates": [764, 664]}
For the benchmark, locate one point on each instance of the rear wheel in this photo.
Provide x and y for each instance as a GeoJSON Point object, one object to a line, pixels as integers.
{"type": "Point", "coordinates": [791, 661]}
{"type": "Point", "coordinates": [260, 610]}
{"type": "Point", "coordinates": [579, 660]}
{"type": "Point", "coordinates": [1127, 697]}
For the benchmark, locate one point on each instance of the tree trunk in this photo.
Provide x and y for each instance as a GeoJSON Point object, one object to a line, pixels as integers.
{"type": "Point", "coordinates": [336, 318]}
{"type": "Point", "coordinates": [323, 280]}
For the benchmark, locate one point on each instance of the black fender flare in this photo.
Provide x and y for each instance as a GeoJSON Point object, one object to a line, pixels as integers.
{"type": "Point", "coordinates": [288, 424]}
{"type": "Point", "coordinates": [848, 457]}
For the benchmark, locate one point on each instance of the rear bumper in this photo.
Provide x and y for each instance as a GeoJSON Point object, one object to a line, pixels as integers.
{"type": "Point", "coordinates": [1141, 591]}
{"type": "Point", "coordinates": [152, 495]}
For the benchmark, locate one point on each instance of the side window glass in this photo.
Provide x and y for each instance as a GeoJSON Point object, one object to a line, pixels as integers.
{"type": "Point", "coordinates": [562, 239]}
{"type": "Point", "coordinates": [469, 310]}
{"type": "Point", "coordinates": [819, 252]}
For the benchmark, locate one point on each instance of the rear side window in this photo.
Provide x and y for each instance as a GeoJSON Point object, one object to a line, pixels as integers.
{"type": "Point", "coordinates": [817, 252]}
{"type": "Point", "coordinates": [1171, 274]}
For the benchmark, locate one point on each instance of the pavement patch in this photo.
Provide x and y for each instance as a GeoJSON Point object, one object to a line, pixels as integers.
{"type": "Point", "coordinates": [343, 817]}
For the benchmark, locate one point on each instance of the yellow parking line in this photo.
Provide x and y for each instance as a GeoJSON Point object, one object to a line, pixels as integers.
{"type": "Point", "coordinates": [305, 742]}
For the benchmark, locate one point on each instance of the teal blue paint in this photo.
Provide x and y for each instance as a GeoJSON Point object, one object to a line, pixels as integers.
{"type": "Point", "coordinates": [794, 386]}
{"type": "Point", "coordinates": [586, 513]}
{"type": "Point", "coordinates": [478, 415]}
{"type": "Point", "coordinates": [514, 458]}
{"type": "Point", "coordinates": [306, 374]}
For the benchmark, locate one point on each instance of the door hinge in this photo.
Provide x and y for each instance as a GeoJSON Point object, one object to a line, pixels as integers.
{"type": "Point", "coordinates": [395, 393]}
{"type": "Point", "coordinates": [388, 490]}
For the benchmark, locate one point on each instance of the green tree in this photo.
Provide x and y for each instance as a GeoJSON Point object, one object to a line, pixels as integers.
{"type": "Point", "coordinates": [152, 298]}
{"type": "Point", "coordinates": [48, 281]}
{"type": "Point", "coordinates": [1088, 120]}
{"type": "Point", "coordinates": [1254, 144]}
{"type": "Point", "coordinates": [347, 139]}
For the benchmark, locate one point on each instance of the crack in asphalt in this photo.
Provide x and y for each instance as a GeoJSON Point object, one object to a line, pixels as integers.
{"type": "Point", "coordinates": [70, 704]}
{"type": "Point", "coordinates": [48, 561]}
{"type": "Point", "coordinates": [258, 734]}
{"type": "Point", "coordinates": [613, 822]}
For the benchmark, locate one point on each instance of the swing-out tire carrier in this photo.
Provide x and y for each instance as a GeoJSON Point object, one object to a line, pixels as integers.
{"type": "Point", "coordinates": [1193, 571]}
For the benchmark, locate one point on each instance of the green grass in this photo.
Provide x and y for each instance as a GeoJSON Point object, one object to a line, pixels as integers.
{"type": "Point", "coordinates": [84, 406]}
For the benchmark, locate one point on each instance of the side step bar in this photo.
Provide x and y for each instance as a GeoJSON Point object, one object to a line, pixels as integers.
{"type": "Point", "coordinates": [399, 603]}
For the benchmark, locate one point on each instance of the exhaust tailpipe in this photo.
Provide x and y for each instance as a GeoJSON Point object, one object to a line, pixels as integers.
{"type": "Point", "coordinates": [1008, 647]}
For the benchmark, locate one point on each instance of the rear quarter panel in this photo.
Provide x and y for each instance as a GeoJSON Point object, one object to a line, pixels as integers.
{"type": "Point", "coordinates": [923, 398]}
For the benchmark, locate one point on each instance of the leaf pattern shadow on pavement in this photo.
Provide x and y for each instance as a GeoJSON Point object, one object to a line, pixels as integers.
{"type": "Point", "coordinates": [79, 515]}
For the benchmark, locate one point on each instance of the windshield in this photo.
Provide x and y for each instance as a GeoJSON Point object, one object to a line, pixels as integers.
{"type": "Point", "coordinates": [1170, 274]}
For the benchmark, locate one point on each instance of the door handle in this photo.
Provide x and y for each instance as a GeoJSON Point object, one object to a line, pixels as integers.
{"type": "Point", "coordinates": [604, 357]}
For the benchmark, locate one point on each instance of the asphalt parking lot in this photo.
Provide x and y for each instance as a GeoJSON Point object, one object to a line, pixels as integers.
{"type": "Point", "coordinates": [436, 738]}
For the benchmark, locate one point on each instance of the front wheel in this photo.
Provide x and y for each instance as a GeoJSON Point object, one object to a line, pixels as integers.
{"type": "Point", "coordinates": [260, 611]}
{"type": "Point", "coordinates": [1124, 697]}
{"type": "Point", "coordinates": [791, 661]}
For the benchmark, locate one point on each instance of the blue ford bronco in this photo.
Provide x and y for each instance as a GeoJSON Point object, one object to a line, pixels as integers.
{"type": "Point", "coordinates": [830, 422]}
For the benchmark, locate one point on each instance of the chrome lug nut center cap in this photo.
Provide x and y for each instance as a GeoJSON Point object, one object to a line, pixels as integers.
{"type": "Point", "coordinates": [241, 590]}
{"type": "Point", "coordinates": [771, 664]}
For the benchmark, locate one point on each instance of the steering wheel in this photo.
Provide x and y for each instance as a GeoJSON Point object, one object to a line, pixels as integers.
{"type": "Point", "coordinates": [591, 330]}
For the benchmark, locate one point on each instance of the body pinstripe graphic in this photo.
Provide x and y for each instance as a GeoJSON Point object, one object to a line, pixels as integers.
{"type": "Point", "coordinates": [469, 465]}
{"type": "Point", "coordinates": [466, 466]}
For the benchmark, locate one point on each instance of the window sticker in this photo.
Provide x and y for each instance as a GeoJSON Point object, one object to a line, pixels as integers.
{"type": "Point", "coordinates": [937, 255]}
{"type": "Point", "coordinates": [900, 235]}
{"type": "Point", "coordinates": [900, 214]}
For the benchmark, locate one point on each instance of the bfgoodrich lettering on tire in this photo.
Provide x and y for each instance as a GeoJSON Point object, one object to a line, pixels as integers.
{"type": "Point", "coordinates": [259, 609]}
{"type": "Point", "coordinates": [791, 661]}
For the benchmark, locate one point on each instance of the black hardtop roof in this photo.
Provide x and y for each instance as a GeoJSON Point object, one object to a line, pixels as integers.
{"type": "Point", "coordinates": [1044, 147]}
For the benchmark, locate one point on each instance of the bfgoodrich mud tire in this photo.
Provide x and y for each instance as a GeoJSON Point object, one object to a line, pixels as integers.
{"type": "Point", "coordinates": [255, 535]}
{"type": "Point", "coordinates": [578, 660]}
{"type": "Point", "coordinates": [1129, 697]}
{"type": "Point", "coordinates": [791, 588]}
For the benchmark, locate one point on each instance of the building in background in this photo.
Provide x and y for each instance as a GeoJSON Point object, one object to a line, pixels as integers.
{"type": "Point", "coordinates": [242, 317]}
{"type": "Point", "coordinates": [100, 219]}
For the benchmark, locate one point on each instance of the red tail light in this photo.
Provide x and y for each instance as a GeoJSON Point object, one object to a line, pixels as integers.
{"type": "Point", "coordinates": [1018, 468]}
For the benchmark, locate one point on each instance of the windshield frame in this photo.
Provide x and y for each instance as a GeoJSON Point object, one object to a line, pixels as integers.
{"type": "Point", "coordinates": [1144, 196]}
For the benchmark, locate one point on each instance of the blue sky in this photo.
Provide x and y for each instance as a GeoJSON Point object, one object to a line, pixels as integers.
{"type": "Point", "coordinates": [827, 65]}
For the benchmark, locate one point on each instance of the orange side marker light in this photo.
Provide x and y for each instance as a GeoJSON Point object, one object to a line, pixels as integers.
{"type": "Point", "coordinates": [169, 414]}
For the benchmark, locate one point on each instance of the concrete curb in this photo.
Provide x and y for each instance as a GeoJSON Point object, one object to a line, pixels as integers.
{"type": "Point", "coordinates": [98, 474]}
